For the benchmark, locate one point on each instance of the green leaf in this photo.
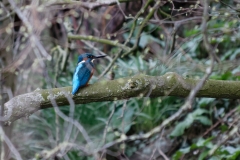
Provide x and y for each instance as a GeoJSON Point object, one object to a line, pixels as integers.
{"type": "Point", "coordinates": [235, 155]}
{"type": "Point", "coordinates": [143, 115]}
{"type": "Point", "coordinates": [196, 115]}
{"type": "Point", "coordinates": [123, 116]}
{"type": "Point", "coordinates": [179, 129]}
{"type": "Point", "coordinates": [204, 120]}
{"type": "Point", "coordinates": [203, 155]}
{"type": "Point", "coordinates": [203, 102]}
{"type": "Point", "coordinates": [179, 153]}
{"type": "Point", "coordinates": [224, 128]}
{"type": "Point", "coordinates": [199, 111]}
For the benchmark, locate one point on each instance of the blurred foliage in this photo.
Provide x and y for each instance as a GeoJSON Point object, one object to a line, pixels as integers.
{"type": "Point", "coordinates": [45, 130]}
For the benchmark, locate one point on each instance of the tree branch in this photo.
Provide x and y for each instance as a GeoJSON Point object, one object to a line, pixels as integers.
{"type": "Point", "coordinates": [100, 40]}
{"type": "Point", "coordinates": [170, 84]}
{"type": "Point", "coordinates": [88, 5]}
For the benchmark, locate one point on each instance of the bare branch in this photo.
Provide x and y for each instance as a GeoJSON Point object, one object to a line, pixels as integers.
{"type": "Point", "coordinates": [88, 5]}
{"type": "Point", "coordinates": [10, 145]}
{"type": "Point", "coordinates": [96, 39]}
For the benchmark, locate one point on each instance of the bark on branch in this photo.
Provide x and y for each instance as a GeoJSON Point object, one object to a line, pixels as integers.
{"type": "Point", "coordinates": [88, 5]}
{"type": "Point", "coordinates": [170, 84]}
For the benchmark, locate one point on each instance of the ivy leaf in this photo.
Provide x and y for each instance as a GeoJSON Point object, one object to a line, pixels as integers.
{"type": "Point", "coordinates": [191, 117]}
{"type": "Point", "coordinates": [204, 120]}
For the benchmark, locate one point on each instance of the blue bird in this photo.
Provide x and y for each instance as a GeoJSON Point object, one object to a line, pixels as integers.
{"type": "Point", "coordinates": [83, 71]}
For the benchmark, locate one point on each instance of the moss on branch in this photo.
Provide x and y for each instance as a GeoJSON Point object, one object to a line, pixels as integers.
{"type": "Point", "coordinates": [100, 40]}
{"type": "Point", "coordinates": [170, 84]}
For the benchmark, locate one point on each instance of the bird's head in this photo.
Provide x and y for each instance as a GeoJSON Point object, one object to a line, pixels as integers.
{"type": "Point", "coordinates": [88, 56]}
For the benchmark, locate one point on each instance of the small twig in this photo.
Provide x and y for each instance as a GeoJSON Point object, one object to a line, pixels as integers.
{"type": "Point", "coordinates": [150, 133]}
{"type": "Point", "coordinates": [111, 64]}
{"type": "Point", "coordinates": [88, 5]}
{"type": "Point", "coordinates": [229, 6]}
{"type": "Point", "coordinates": [49, 154]}
{"type": "Point", "coordinates": [219, 121]}
{"type": "Point", "coordinates": [135, 22]}
{"type": "Point", "coordinates": [143, 24]}
{"type": "Point", "coordinates": [162, 154]}
{"type": "Point", "coordinates": [100, 40]}
{"type": "Point", "coordinates": [10, 145]}
{"type": "Point", "coordinates": [152, 156]}
{"type": "Point", "coordinates": [208, 48]}
{"type": "Point", "coordinates": [2, 153]}
{"type": "Point", "coordinates": [123, 108]}
{"type": "Point", "coordinates": [108, 122]}
{"type": "Point", "coordinates": [73, 122]}
{"type": "Point", "coordinates": [126, 42]}
{"type": "Point", "coordinates": [68, 119]}
{"type": "Point", "coordinates": [225, 138]}
{"type": "Point", "coordinates": [70, 125]}
{"type": "Point", "coordinates": [97, 50]}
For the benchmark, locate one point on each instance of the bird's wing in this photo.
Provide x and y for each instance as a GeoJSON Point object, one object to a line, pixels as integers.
{"type": "Point", "coordinates": [81, 76]}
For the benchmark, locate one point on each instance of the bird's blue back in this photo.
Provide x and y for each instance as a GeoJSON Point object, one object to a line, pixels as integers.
{"type": "Point", "coordinates": [82, 74]}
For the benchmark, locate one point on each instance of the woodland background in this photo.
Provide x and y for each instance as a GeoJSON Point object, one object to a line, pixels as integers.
{"type": "Point", "coordinates": [39, 45]}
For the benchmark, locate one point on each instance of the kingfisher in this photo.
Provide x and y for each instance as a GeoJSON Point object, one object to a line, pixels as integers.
{"type": "Point", "coordinates": [84, 71]}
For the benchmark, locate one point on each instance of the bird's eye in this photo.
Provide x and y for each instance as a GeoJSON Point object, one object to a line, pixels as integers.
{"type": "Point", "coordinates": [90, 56]}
